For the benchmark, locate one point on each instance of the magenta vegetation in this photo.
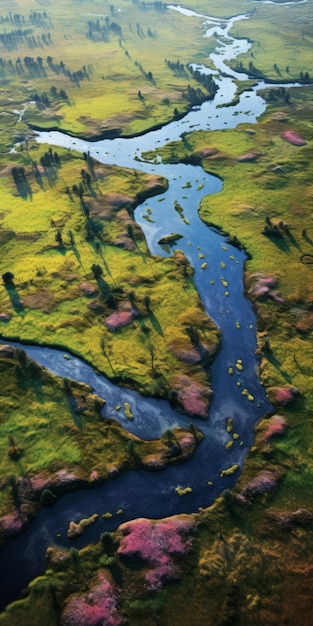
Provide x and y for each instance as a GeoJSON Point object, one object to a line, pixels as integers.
{"type": "Point", "coordinates": [283, 395]}
{"type": "Point", "coordinates": [276, 425]}
{"type": "Point", "coordinates": [264, 286]}
{"type": "Point", "coordinates": [88, 290]}
{"type": "Point", "coordinates": [157, 544]}
{"type": "Point", "coordinates": [12, 524]}
{"type": "Point", "coordinates": [192, 396]}
{"type": "Point", "coordinates": [94, 608]}
{"type": "Point", "coordinates": [292, 137]}
{"type": "Point", "coordinates": [118, 320]}
{"type": "Point", "coordinates": [265, 482]}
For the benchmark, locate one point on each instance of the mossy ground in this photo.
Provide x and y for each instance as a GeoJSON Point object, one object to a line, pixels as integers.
{"type": "Point", "coordinates": [281, 38]}
{"type": "Point", "coordinates": [51, 425]}
{"type": "Point", "coordinates": [119, 52]}
{"type": "Point", "coordinates": [93, 224]}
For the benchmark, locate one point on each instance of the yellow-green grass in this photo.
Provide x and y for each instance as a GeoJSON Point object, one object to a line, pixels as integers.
{"type": "Point", "coordinates": [281, 36]}
{"type": "Point", "coordinates": [35, 412]}
{"type": "Point", "coordinates": [117, 69]}
{"type": "Point", "coordinates": [47, 276]}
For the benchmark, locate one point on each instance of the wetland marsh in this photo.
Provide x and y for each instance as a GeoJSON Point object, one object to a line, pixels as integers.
{"type": "Point", "coordinates": [162, 320]}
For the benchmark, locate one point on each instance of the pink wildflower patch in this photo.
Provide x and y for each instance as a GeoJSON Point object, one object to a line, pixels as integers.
{"type": "Point", "coordinates": [247, 157]}
{"type": "Point", "coordinates": [193, 397]}
{"type": "Point", "coordinates": [187, 442]}
{"type": "Point", "coordinates": [12, 524]}
{"type": "Point", "coordinates": [276, 296]}
{"type": "Point", "coordinates": [263, 483]}
{"type": "Point", "coordinates": [96, 607]}
{"type": "Point", "coordinates": [207, 152]}
{"type": "Point", "coordinates": [282, 395]}
{"type": "Point", "coordinates": [118, 320]}
{"type": "Point", "coordinates": [188, 355]}
{"type": "Point", "coordinates": [88, 289]}
{"type": "Point", "coordinates": [39, 482]}
{"type": "Point", "coordinates": [156, 543]}
{"type": "Point", "coordinates": [94, 475]}
{"type": "Point", "coordinates": [276, 426]}
{"type": "Point", "coordinates": [263, 286]}
{"type": "Point", "coordinates": [292, 137]}
{"type": "Point", "coordinates": [165, 571]}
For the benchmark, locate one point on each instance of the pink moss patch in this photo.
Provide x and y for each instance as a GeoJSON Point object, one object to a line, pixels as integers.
{"type": "Point", "coordinates": [275, 295]}
{"type": "Point", "coordinates": [189, 355]}
{"type": "Point", "coordinates": [97, 607]}
{"type": "Point", "coordinates": [118, 320]}
{"type": "Point", "coordinates": [261, 484]}
{"type": "Point", "coordinates": [36, 484]}
{"type": "Point", "coordinates": [282, 395]}
{"type": "Point", "coordinates": [192, 396]}
{"type": "Point", "coordinates": [94, 475]}
{"type": "Point", "coordinates": [248, 157]}
{"type": "Point", "coordinates": [187, 442]}
{"type": "Point", "coordinates": [12, 524]}
{"type": "Point", "coordinates": [88, 290]}
{"type": "Point", "coordinates": [263, 286]}
{"type": "Point", "coordinates": [276, 425]}
{"type": "Point", "coordinates": [287, 519]}
{"type": "Point", "coordinates": [207, 152]}
{"type": "Point", "coordinates": [292, 137]}
{"type": "Point", "coordinates": [156, 543]}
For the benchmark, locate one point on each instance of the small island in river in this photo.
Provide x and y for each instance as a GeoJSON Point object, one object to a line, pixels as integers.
{"type": "Point", "coordinates": [156, 316]}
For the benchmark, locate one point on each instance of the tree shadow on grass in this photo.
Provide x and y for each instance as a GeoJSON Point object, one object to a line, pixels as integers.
{"type": "Point", "coordinates": [156, 324]}
{"type": "Point", "coordinates": [35, 380]}
{"type": "Point", "coordinates": [15, 299]}
{"type": "Point", "coordinates": [78, 257]}
{"type": "Point", "coordinates": [96, 246]}
{"type": "Point", "coordinates": [104, 287]}
{"type": "Point", "coordinates": [281, 243]}
{"type": "Point", "coordinates": [276, 363]}
{"type": "Point", "coordinates": [293, 241]}
{"type": "Point", "coordinates": [92, 191]}
{"type": "Point", "coordinates": [72, 405]}
{"type": "Point", "coordinates": [308, 239]}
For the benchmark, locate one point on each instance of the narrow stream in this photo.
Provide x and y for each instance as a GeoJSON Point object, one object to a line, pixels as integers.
{"type": "Point", "coordinates": [220, 285]}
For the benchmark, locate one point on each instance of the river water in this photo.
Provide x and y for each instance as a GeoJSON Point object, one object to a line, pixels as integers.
{"type": "Point", "coordinates": [220, 285]}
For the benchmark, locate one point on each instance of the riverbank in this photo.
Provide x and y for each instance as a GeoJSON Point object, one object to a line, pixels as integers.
{"type": "Point", "coordinates": [45, 457]}
{"type": "Point", "coordinates": [103, 282]}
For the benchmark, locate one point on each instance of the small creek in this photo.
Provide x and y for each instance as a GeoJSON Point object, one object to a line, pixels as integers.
{"type": "Point", "coordinates": [141, 493]}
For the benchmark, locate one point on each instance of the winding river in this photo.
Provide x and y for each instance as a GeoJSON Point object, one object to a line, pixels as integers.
{"type": "Point", "coordinates": [141, 493]}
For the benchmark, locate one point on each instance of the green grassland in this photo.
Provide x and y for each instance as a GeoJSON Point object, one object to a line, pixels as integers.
{"type": "Point", "coordinates": [101, 58]}
{"type": "Point", "coordinates": [281, 38]}
{"type": "Point", "coordinates": [52, 433]}
{"type": "Point", "coordinates": [51, 238]}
